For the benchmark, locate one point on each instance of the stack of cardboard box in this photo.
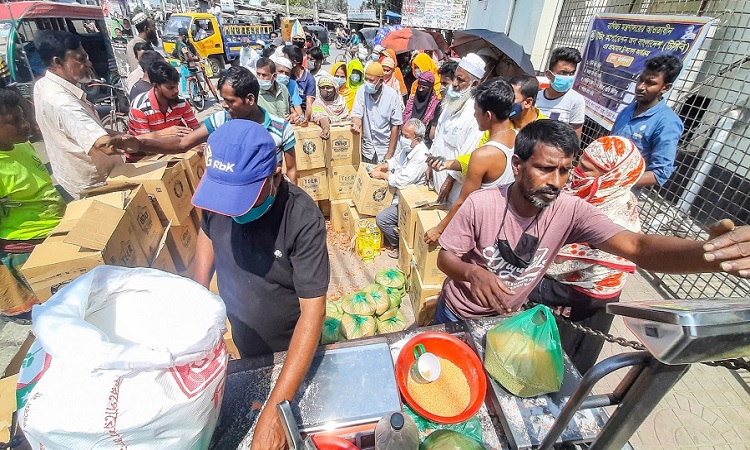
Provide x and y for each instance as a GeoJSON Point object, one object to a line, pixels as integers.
{"type": "Point", "coordinates": [416, 215]}
{"type": "Point", "coordinates": [142, 217]}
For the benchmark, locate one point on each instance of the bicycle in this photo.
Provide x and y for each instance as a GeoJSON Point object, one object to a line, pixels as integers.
{"type": "Point", "coordinates": [112, 109]}
{"type": "Point", "coordinates": [196, 92]}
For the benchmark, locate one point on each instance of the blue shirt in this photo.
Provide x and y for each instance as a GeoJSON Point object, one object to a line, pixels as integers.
{"type": "Point", "coordinates": [306, 84]}
{"type": "Point", "coordinates": [294, 96]}
{"type": "Point", "coordinates": [655, 133]}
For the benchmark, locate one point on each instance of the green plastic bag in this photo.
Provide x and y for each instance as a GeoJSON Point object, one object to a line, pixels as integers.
{"type": "Point", "coordinates": [524, 353]}
{"type": "Point", "coordinates": [449, 440]}
{"type": "Point", "coordinates": [471, 427]}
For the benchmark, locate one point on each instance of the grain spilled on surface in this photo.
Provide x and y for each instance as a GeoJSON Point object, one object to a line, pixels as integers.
{"type": "Point", "coordinates": [447, 396]}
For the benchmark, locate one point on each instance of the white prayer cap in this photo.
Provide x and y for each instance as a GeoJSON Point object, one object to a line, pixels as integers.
{"type": "Point", "coordinates": [474, 64]}
{"type": "Point", "coordinates": [281, 61]}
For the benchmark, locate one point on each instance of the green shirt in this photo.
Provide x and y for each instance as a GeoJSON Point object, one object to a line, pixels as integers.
{"type": "Point", "coordinates": [276, 105]}
{"type": "Point", "coordinates": [30, 206]}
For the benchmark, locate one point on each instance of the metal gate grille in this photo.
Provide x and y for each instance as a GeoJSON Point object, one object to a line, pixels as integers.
{"type": "Point", "coordinates": [712, 177]}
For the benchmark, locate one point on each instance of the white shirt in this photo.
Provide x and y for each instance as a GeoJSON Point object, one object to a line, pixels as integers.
{"type": "Point", "coordinates": [407, 168]}
{"type": "Point", "coordinates": [570, 108]}
{"type": "Point", "coordinates": [455, 135]}
{"type": "Point", "coordinates": [133, 77]}
{"type": "Point", "coordinates": [249, 58]}
{"type": "Point", "coordinates": [70, 127]}
{"type": "Point", "coordinates": [378, 116]}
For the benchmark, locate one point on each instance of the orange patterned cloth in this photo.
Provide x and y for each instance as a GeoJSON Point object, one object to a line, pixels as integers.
{"type": "Point", "coordinates": [589, 270]}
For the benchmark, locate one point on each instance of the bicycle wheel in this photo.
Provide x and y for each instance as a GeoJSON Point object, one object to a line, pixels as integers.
{"type": "Point", "coordinates": [341, 58]}
{"type": "Point", "coordinates": [120, 124]}
{"type": "Point", "coordinates": [196, 99]}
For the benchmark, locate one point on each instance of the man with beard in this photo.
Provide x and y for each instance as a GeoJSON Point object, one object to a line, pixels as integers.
{"type": "Point", "coordinates": [77, 144]}
{"type": "Point", "coordinates": [377, 113]}
{"type": "Point", "coordinates": [161, 107]}
{"type": "Point", "coordinates": [146, 34]}
{"type": "Point", "coordinates": [501, 242]}
{"type": "Point", "coordinates": [239, 91]}
{"type": "Point", "coordinates": [457, 131]}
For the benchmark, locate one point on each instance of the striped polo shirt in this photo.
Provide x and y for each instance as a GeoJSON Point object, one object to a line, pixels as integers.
{"type": "Point", "coordinates": [281, 130]}
{"type": "Point", "coordinates": [145, 115]}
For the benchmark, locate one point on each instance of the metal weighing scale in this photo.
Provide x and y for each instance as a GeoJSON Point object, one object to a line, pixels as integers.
{"type": "Point", "coordinates": [676, 333]}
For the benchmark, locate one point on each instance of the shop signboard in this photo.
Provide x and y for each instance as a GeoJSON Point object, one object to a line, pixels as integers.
{"type": "Point", "coordinates": [437, 14]}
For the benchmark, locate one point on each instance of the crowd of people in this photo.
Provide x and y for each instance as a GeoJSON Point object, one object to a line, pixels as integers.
{"type": "Point", "coordinates": [524, 223]}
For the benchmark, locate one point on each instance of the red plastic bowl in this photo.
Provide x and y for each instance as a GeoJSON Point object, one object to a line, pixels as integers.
{"type": "Point", "coordinates": [324, 442]}
{"type": "Point", "coordinates": [451, 348]}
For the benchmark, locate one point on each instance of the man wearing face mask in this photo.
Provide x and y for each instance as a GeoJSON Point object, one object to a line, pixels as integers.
{"type": "Point", "coordinates": [408, 167]}
{"type": "Point", "coordinates": [274, 96]}
{"type": "Point", "coordinates": [559, 101]}
{"type": "Point", "coordinates": [457, 131]}
{"type": "Point", "coordinates": [377, 113]}
{"type": "Point", "coordinates": [284, 77]}
{"type": "Point", "coordinates": [266, 240]}
{"type": "Point", "coordinates": [77, 143]}
{"type": "Point", "coordinates": [248, 56]}
{"type": "Point", "coordinates": [329, 107]}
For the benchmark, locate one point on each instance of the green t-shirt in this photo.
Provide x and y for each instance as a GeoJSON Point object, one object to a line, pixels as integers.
{"type": "Point", "coordinates": [30, 206]}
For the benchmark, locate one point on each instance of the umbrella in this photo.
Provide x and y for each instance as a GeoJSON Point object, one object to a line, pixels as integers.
{"type": "Point", "coordinates": [439, 40]}
{"type": "Point", "coordinates": [383, 32]}
{"type": "Point", "coordinates": [369, 34]}
{"type": "Point", "coordinates": [408, 39]}
{"type": "Point", "coordinates": [495, 45]}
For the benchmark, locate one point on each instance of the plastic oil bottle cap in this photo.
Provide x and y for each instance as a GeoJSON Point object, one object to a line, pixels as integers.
{"type": "Point", "coordinates": [397, 421]}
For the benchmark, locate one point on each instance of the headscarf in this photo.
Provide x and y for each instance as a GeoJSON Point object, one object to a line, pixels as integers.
{"type": "Point", "coordinates": [592, 271]}
{"type": "Point", "coordinates": [351, 92]}
{"type": "Point", "coordinates": [425, 64]}
{"type": "Point", "coordinates": [344, 89]}
{"type": "Point", "coordinates": [334, 110]}
{"type": "Point", "coordinates": [423, 110]}
{"type": "Point", "coordinates": [389, 53]}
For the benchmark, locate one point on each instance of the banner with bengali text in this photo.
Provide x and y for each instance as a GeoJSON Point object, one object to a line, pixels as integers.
{"type": "Point", "coordinates": [617, 47]}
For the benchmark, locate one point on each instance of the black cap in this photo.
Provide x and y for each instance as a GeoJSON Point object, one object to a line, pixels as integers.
{"type": "Point", "coordinates": [182, 31]}
{"type": "Point", "coordinates": [397, 421]}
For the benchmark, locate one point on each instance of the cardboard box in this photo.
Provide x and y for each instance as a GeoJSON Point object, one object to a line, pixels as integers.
{"type": "Point", "coordinates": [410, 200]}
{"type": "Point", "coordinates": [192, 162]}
{"type": "Point", "coordinates": [135, 201]}
{"type": "Point", "coordinates": [167, 184]}
{"type": "Point", "coordinates": [181, 240]}
{"type": "Point", "coordinates": [423, 299]}
{"type": "Point", "coordinates": [370, 195]}
{"type": "Point", "coordinates": [8, 386]}
{"type": "Point", "coordinates": [405, 255]}
{"type": "Point", "coordinates": [308, 149]}
{"type": "Point", "coordinates": [355, 219]}
{"type": "Point", "coordinates": [343, 148]}
{"type": "Point", "coordinates": [163, 259]}
{"type": "Point", "coordinates": [426, 255]}
{"type": "Point", "coordinates": [340, 216]}
{"type": "Point", "coordinates": [314, 182]}
{"type": "Point", "coordinates": [341, 181]}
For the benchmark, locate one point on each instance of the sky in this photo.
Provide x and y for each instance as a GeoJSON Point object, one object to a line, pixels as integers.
{"type": "Point", "coordinates": [354, 3]}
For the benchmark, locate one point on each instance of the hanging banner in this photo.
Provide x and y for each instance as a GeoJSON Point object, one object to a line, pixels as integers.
{"type": "Point", "coordinates": [437, 14]}
{"type": "Point", "coordinates": [617, 47]}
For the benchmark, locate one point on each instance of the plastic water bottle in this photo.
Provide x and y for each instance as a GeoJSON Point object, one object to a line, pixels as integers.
{"type": "Point", "coordinates": [396, 431]}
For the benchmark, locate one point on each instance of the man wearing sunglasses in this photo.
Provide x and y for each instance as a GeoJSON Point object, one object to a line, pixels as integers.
{"type": "Point", "coordinates": [501, 241]}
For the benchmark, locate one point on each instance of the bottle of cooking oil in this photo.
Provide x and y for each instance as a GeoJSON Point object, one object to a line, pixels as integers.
{"type": "Point", "coordinates": [375, 239]}
{"type": "Point", "coordinates": [396, 431]}
{"type": "Point", "coordinates": [364, 242]}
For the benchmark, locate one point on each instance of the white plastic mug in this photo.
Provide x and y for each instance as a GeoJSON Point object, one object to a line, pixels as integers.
{"type": "Point", "coordinates": [426, 367]}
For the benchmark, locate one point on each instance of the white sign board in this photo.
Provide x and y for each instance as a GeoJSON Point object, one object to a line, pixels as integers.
{"type": "Point", "coordinates": [440, 14]}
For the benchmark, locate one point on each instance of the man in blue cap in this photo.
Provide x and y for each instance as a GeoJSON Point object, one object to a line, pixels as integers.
{"type": "Point", "coordinates": [266, 239]}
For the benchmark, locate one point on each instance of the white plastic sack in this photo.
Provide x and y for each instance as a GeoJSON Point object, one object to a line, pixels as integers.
{"type": "Point", "coordinates": [135, 359]}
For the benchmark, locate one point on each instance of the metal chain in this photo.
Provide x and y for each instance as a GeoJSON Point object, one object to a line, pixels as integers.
{"type": "Point", "coordinates": [731, 364]}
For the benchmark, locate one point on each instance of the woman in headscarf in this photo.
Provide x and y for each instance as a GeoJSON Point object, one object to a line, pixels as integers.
{"type": "Point", "coordinates": [354, 81]}
{"type": "Point", "coordinates": [582, 279]}
{"type": "Point", "coordinates": [329, 107]}
{"type": "Point", "coordinates": [422, 63]}
{"type": "Point", "coordinates": [424, 102]}
{"type": "Point", "coordinates": [390, 65]}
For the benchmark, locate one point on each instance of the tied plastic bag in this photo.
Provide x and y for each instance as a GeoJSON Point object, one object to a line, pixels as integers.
{"type": "Point", "coordinates": [128, 358]}
{"type": "Point", "coordinates": [524, 353]}
{"type": "Point", "coordinates": [471, 427]}
{"type": "Point", "coordinates": [449, 440]}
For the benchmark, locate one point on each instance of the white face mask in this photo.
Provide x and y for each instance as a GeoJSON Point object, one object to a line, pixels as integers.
{"type": "Point", "coordinates": [405, 143]}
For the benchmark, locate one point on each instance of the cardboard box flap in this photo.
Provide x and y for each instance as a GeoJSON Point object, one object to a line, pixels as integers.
{"type": "Point", "coordinates": [54, 250]}
{"type": "Point", "coordinates": [95, 227]}
{"type": "Point", "coordinates": [76, 209]}
{"type": "Point", "coordinates": [107, 188]}
{"type": "Point", "coordinates": [127, 173]}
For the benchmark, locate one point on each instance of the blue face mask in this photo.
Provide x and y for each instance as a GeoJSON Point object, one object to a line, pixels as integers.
{"type": "Point", "coordinates": [256, 212]}
{"type": "Point", "coordinates": [453, 93]}
{"type": "Point", "coordinates": [516, 110]}
{"type": "Point", "coordinates": [563, 83]}
{"type": "Point", "coordinates": [283, 79]}
{"type": "Point", "coordinates": [265, 84]}
{"type": "Point", "coordinates": [355, 78]}
{"type": "Point", "coordinates": [417, 72]}
{"type": "Point", "coordinates": [341, 81]}
{"type": "Point", "coordinates": [370, 88]}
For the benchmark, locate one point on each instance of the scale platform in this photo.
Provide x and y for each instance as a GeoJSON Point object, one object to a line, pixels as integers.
{"type": "Point", "coordinates": [691, 330]}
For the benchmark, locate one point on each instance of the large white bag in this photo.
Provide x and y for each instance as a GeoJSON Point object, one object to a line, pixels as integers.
{"type": "Point", "coordinates": [134, 359]}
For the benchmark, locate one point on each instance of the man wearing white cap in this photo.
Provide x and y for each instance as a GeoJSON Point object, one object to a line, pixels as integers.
{"type": "Point", "coordinates": [248, 56]}
{"type": "Point", "coordinates": [146, 34]}
{"type": "Point", "coordinates": [457, 131]}
{"type": "Point", "coordinates": [284, 76]}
